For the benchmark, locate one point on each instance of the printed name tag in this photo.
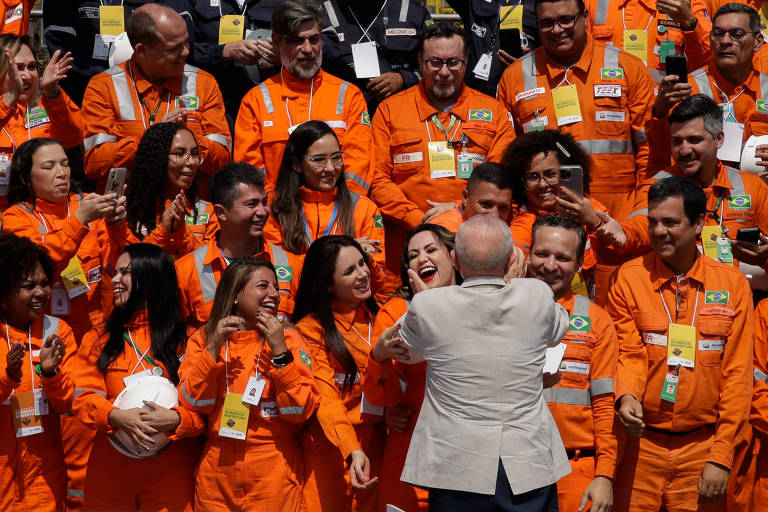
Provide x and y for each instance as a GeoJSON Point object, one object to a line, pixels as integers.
{"type": "Point", "coordinates": [404, 158]}
{"type": "Point", "coordinates": [610, 115]}
{"type": "Point", "coordinates": [400, 32]}
{"type": "Point", "coordinates": [607, 90]}
{"type": "Point", "coordinates": [530, 92]}
{"type": "Point", "coordinates": [269, 410]}
{"type": "Point", "coordinates": [652, 338]}
{"type": "Point", "coordinates": [574, 367]}
{"type": "Point", "coordinates": [711, 345]}
{"type": "Point", "coordinates": [14, 14]}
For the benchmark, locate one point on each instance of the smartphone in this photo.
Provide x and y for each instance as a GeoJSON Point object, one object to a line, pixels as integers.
{"type": "Point", "coordinates": [677, 65]}
{"type": "Point", "coordinates": [116, 180]}
{"type": "Point", "coordinates": [509, 41]}
{"type": "Point", "coordinates": [751, 235]}
{"type": "Point", "coordinates": [572, 178]}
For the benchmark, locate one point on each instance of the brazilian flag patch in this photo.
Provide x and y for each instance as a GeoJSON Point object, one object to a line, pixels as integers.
{"type": "Point", "coordinates": [762, 106]}
{"type": "Point", "coordinates": [306, 359]}
{"type": "Point", "coordinates": [482, 114]}
{"type": "Point", "coordinates": [612, 73]}
{"type": "Point", "coordinates": [378, 221]}
{"type": "Point", "coordinates": [284, 273]}
{"type": "Point", "coordinates": [716, 297]}
{"type": "Point", "coordinates": [201, 219]}
{"type": "Point", "coordinates": [740, 202]}
{"type": "Point", "coordinates": [579, 323]}
{"type": "Point", "coordinates": [366, 118]}
{"type": "Point", "coordinates": [189, 102]}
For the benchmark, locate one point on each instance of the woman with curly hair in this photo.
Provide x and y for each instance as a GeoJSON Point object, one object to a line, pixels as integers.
{"type": "Point", "coordinates": [162, 203]}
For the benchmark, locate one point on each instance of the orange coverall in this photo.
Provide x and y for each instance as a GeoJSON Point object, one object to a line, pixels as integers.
{"type": "Point", "coordinates": [759, 413]}
{"type": "Point", "coordinates": [264, 472]}
{"type": "Point", "coordinates": [115, 117]}
{"type": "Point", "coordinates": [609, 19]}
{"type": "Point", "coordinates": [59, 119]}
{"type": "Point", "coordinates": [200, 271]}
{"type": "Point", "coordinates": [711, 407]}
{"type": "Point", "coordinates": [115, 481]}
{"type": "Point", "coordinates": [14, 16]}
{"type": "Point", "coordinates": [582, 402]}
{"type": "Point", "coordinates": [34, 476]}
{"type": "Point", "coordinates": [402, 129]}
{"type": "Point", "coordinates": [393, 384]}
{"type": "Point", "coordinates": [344, 422]}
{"type": "Point", "coordinates": [284, 101]}
{"type": "Point", "coordinates": [615, 94]}
{"type": "Point", "coordinates": [712, 6]}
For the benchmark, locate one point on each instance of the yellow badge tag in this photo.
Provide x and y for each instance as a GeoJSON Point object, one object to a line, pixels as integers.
{"type": "Point", "coordinates": [709, 236]}
{"type": "Point", "coordinates": [567, 108]}
{"type": "Point", "coordinates": [74, 278]}
{"type": "Point", "coordinates": [578, 286]}
{"type": "Point", "coordinates": [514, 19]}
{"type": "Point", "coordinates": [681, 345]}
{"type": "Point", "coordinates": [111, 20]}
{"type": "Point", "coordinates": [25, 421]}
{"type": "Point", "coordinates": [231, 28]}
{"type": "Point", "coordinates": [636, 43]}
{"type": "Point", "coordinates": [234, 417]}
{"type": "Point", "coordinates": [442, 161]}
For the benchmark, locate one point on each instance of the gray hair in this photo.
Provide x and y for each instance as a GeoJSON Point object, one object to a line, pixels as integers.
{"type": "Point", "coordinates": [484, 244]}
{"type": "Point", "coordinates": [289, 16]}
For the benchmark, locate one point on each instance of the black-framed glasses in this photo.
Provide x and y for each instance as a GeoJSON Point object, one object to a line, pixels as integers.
{"type": "Point", "coordinates": [550, 176]}
{"type": "Point", "coordinates": [736, 34]}
{"type": "Point", "coordinates": [435, 64]}
{"type": "Point", "coordinates": [320, 161]}
{"type": "Point", "coordinates": [564, 22]}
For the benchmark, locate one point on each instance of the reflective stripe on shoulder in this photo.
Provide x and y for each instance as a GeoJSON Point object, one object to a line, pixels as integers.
{"type": "Point", "coordinates": [342, 125]}
{"type": "Point", "coordinates": [569, 396]}
{"type": "Point", "coordinates": [189, 81]}
{"type": "Point", "coordinates": [529, 71]}
{"type": "Point", "coordinates": [581, 305]}
{"type": "Point", "coordinates": [702, 82]}
{"type": "Point", "coordinates": [221, 139]}
{"type": "Point", "coordinates": [763, 86]}
{"type": "Point", "coordinates": [607, 146]}
{"type": "Point", "coordinates": [205, 274]}
{"type": "Point", "coordinates": [642, 211]}
{"type": "Point", "coordinates": [357, 179]}
{"type": "Point", "coordinates": [50, 326]}
{"type": "Point", "coordinates": [601, 11]}
{"type": "Point", "coordinates": [331, 13]}
{"type": "Point", "coordinates": [123, 93]}
{"type": "Point", "coordinates": [737, 184]}
{"type": "Point", "coordinates": [291, 410]}
{"type": "Point", "coordinates": [404, 10]}
{"type": "Point", "coordinates": [196, 403]}
{"type": "Point", "coordinates": [760, 375]}
{"type": "Point", "coordinates": [267, 98]}
{"type": "Point", "coordinates": [97, 139]}
{"type": "Point", "coordinates": [661, 175]}
{"type": "Point", "coordinates": [40, 226]}
{"type": "Point", "coordinates": [611, 57]}
{"type": "Point", "coordinates": [355, 198]}
{"type": "Point", "coordinates": [342, 94]}
{"type": "Point", "coordinates": [601, 386]}
{"type": "Point", "coordinates": [79, 391]}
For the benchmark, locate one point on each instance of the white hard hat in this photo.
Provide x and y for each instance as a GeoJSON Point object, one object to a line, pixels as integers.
{"type": "Point", "coordinates": [152, 389]}
{"type": "Point", "coordinates": [748, 160]}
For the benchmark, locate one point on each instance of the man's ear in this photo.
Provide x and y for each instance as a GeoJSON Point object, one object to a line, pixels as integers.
{"type": "Point", "coordinates": [220, 211]}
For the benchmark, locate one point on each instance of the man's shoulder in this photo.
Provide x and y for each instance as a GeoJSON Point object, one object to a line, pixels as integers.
{"type": "Point", "coordinates": [398, 99]}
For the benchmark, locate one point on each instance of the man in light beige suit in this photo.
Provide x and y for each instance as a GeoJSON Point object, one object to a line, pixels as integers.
{"type": "Point", "coordinates": [485, 439]}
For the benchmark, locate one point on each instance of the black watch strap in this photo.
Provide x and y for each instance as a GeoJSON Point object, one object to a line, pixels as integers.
{"type": "Point", "coordinates": [283, 359]}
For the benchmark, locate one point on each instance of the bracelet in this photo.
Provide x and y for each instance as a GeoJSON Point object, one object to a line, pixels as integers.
{"type": "Point", "coordinates": [283, 359]}
{"type": "Point", "coordinates": [39, 371]}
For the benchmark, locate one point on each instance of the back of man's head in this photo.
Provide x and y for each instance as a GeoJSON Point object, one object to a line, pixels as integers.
{"type": "Point", "coordinates": [224, 184]}
{"type": "Point", "coordinates": [291, 14]}
{"type": "Point", "coordinates": [697, 106]}
{"type": "Point", "coordinates": [483, 246]}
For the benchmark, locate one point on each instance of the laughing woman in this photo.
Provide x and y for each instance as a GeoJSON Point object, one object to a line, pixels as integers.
{"type": "Point", "coordinates": [335, 312]}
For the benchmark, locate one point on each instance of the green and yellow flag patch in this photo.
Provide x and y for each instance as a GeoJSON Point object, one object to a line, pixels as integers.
{"type": "Point", "coordinates": [366, 118]}
{"type": "Point", "coordinates": [579, 323]}
{"type": "Point", "coordinates": [378, 221]}
{"type": "Point", "coordinates": [716, 297]}
{"type": "Point", "coordinates": [482, 114]}
{"type": "Point", "coordinates": [284, 273]}
{"type": "Point", "coordinates": [612, 73]}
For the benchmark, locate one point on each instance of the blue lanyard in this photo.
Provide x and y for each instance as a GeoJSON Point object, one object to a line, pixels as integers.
{"type": "Point", "coordinates": [334, 214]}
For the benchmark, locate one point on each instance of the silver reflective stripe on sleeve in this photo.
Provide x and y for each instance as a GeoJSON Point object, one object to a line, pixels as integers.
{"type": "Point", "coordinates": [355, 198]}
{"type": "Point", "coordinates": [638, 137]}
{"type": "Point", "coordinates": [737, 184]}
{"type": "Point", "coordinates": [342, 125]}
{"type": "Point", "coordinates": [357, 179]}
{"type": "Point", "coordinates": [280, 259]}
{"type": "Point", "coordinates": [567, 396]}
{"type": "Point", "coordinates": [702, 82]}
{"type": "Point", "coordinates": [601, 386]}
{"type": "Point", "coordinates": [79, 391]}
{"type": "Point", "coordinates": [196, 403]}
{"type": "Point", "coordinates": [342, 93]}
{"type": "Point", "coordinates": [601, 11]}
{"type": "Point", "coordinates": [75, 493]}
{"type": "Point", "coordinates": [760, 375]}
{"type": "Point", "coordinates": [123, 93]}
{"type": "Point", "coordinates": [657, 75]}
{"type": "Point", "coordinates": [581, 306]}
{"type": "Point", "coordinates": [189, 81]}
{"type": "Point", "coordinates": [529, 72]}
{"type": "Point", "coordinates": [331, 13]}
{"type": "Point", "coordinates": [291, 410]}
{"type": "Point", "coordinates": [50, 326]}
{"type": "Point", "coordinates": [607, 146]}
{"type": "Point", "coordinates": [763, 86]}
{"type": "Point", "coordinates": [267, 98]}
{"type": "Point", "coordinates": [404, 11]}
{"type": "Point", "coordinates": [205, 274]}
{"type": "Point", "coordinates": [642, 211]}
{"type": "Point", "coordinates": [221, 139]}
{"type": "Point", "coordinates": [97, 139]}
{"type": "Point", "coordinates": [59, 28]}
{"type": "Point", "coordinates": [611, 57]}
{"type": "Point", "coordinates": [661, 175]}
{"type": "Point", "coordinates": [40, 226]}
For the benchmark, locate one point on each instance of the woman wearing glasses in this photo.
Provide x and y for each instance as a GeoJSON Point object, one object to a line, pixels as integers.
{"type": "Point", "coordinates": [535, 160]}
{"type": "Point", "coordinates": [313, 171]}
{"type": "Point", "coordinates": [162, 203]}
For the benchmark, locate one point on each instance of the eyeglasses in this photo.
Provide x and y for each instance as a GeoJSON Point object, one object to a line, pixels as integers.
{"type": "Point", "coordinates": [435, 64]}
{"type": "Point", "coordinates": [320, 161]}
{"type": "Point", "coordinates": [736, 34]}
{"type": "Point", "coordinates": [182, 157]}
{"type": "Point", "coordinates": [564, 22]}
{"type": "Point", "coordinates": [550, 176]}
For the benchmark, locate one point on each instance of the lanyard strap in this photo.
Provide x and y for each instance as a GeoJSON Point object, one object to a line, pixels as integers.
{"type": "Point", "coordinates": [719, 217]}
{"type": "Point", "coordinates": [365, 30]}
{"type": "Point", "coordinates": [725, 98]}
{"type": "Point", "coordinates": [331, 223]}
{"type": "Point", "coordinates": [144, 356]}
{"type": "Point", "coordinates": [103, 4]}
{"type": "Point", "coordinates": [226, 363]}
{"type": "Point", "coordinates": [245, 6]}
{"type": "Point", "coordinates": [366, 340]}
{"type": "Point", "coordinates": [143, 101]}
{"type": "Point", "coordinates": [695, 307]}
{"type": "Point", "coordinates": [29, 343]}
{"type": "Point", "coordinates": [311, 94]}
{"type": "Point", "coordinates": [442, 129]}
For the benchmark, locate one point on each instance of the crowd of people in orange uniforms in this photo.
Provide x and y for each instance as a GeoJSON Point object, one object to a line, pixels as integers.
{"type": "Point", "coordinates": [244, 280]}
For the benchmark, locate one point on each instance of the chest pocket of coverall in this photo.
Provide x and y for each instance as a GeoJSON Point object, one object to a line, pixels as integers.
{"type": "Point", "coordinates": [480, 135]}
{"type": "Point", "coordinates": [272, 135]}
{"type": "Point", "coordinates": [653, 325]}
{"type": "Point", "coordinates": [712, 327]}
{"type": "Point", "coordinates": [575, 367]}
{"type": "Point", "coordinates": [610, 126]}
{"type": "Point", "coordinates": [536, 106]}
{"type": "Point", "coordinates": [408, 154]}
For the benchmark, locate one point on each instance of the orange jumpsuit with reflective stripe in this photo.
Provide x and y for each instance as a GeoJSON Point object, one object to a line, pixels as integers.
{"type": "Point", "coordinates": [344, 422]}
{"type": "Point", "coordinates": [393, 384]}
{"type": "Point", "coordinates": [759, 413]}
{"type": "Point", "coordinates": [284, 101]}
{"type": "Point", "coordinates": [263, 472]}
{"type": "Point", "coordinates": [615, 94]}
{"type": "Point", "coordinates": [33, 475]}
{"type": "Point", "coordinates": [200, 271]}
{"type": "Point", "coordinates": [582, 402]}
{"type": "Point", "coordinates": [14, 16]}
{"type": "Point", "coordinates": [402, 130]}
{"type": "Point", "coordinates": [115, 481]}
{"type": "Point", "coordinates": [712, 399]}
{"type": "Point", "coordinates": [115, 118]}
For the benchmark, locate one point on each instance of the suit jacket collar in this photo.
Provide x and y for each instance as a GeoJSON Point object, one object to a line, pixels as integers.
{"type": "Point", "coordinates": [484, 281]}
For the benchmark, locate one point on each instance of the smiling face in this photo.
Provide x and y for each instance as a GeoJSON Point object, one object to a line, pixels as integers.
{"type": "Point", "coordinates": [122, 283]}
{"type": "Point", "coordinates": [351, 278]}
{"type": "Point", "coordinates": [183, 162]}
{"type": "Point", "coordinates": [27, 67]}
{"type": "Point", "coordinates": [260, 293]}
{"type": "Point", "coordinates": [564, 45]}
{"type": "Point", "coordinates": [301, 54]}
{"type": "Point", "coordinates": [431, 260]}
{"type": "Point", "coordinates": [487, 198]}
{"type": "Point", "coordinates": [541, 193]}
{"type": "Point", "coordinates": [694, 150]}
{"type": "Point", "coordinates": [49, 176]}
{"type": "Point", "coordinates": [554, 258]}
{"type": "Point", "coordinates": [673, 236]}
{"type": "Point", "coordinates": [248, 214]}
{"type": "Point", "coordinates": [30, 300]}
{"type": "Point", "coordinates": [325, 177]}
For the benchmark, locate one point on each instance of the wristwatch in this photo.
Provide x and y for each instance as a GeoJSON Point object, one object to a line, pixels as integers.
{"type": "Point", "coordinates": [283, 360]}
{"type": "Point", "coordinates": [692, 27]}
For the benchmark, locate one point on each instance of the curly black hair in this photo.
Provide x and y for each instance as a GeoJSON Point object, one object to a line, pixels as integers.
{"type": "Point", "coordinates": [145, 195]}
{"type": "Point", "coordinates": [18, 258]}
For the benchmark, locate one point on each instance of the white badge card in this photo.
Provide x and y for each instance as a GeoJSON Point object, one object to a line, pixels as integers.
{"type": "Point", "coordinates": [101, 47]}
{"type": "Point", "coordinates": [366, 60]}
{"type": "Point", "coordinates": [5, 169]}
{"type": "Point", "coordinates": [59, 300]}
{"type": "Point", "coordinates": [553, 358]}
{"type": "Point", "coordinates": [482, 69]}
{"type": "Point", "coordinates": [254, 390]}
{"type": "Point", "coordinates": [730, 151]}
{"type": "Point", "coordinates": [41, 402]}
{"type": "Point", "coordinates": [366, 407]}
